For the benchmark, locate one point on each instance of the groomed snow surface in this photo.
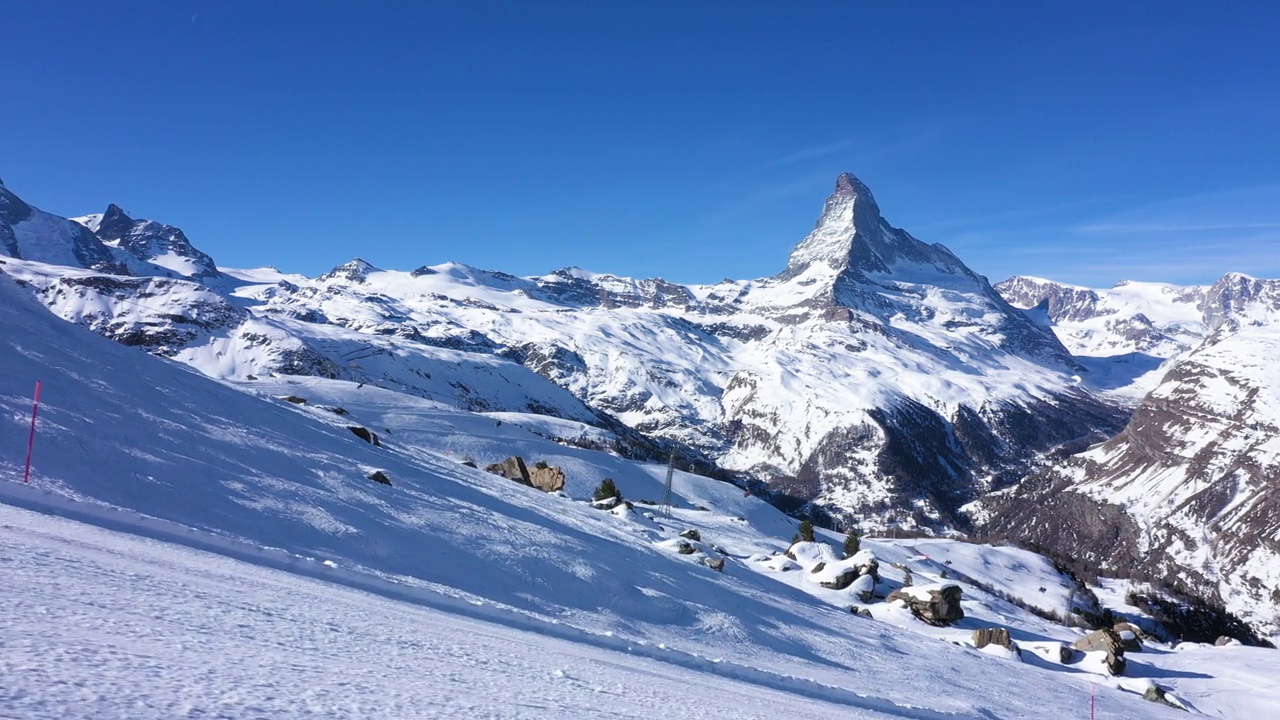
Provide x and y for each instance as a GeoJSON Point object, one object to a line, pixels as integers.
{"type": "Point", "coordinates": [99, 624]}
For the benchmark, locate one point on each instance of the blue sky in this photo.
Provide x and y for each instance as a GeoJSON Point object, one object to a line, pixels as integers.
{"type": "Point", "coordinates": [1085, 142]}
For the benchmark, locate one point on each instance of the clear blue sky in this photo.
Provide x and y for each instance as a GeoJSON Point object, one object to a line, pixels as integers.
{"type": "Point", "coordinates": [692, 140]}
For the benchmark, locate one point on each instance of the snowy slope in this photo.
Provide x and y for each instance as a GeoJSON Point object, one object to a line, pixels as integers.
{"type": "Point", "coordinates": [109, 624]}
{"type": "Point", "coordinates": [136, 443]}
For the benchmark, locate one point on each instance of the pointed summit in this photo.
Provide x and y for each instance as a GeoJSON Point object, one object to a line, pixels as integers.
{"type": "Point", "coordinates": [113, 224]}
{"type": "Point", "coordinates": [848, 184]}
{"type": "Point", "coordinates": [356, 270]}
{"type": "Point", "coordinates": [850, 211]}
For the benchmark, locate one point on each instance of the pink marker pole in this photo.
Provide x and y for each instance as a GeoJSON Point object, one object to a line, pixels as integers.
{"type": "Point", "coordinates": [31, 441]}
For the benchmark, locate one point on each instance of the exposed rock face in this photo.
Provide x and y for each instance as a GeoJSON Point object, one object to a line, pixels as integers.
{"type": "Point", "coordinates": [983, 637]}
{"type": "Point", "coordinates": [1106, 641]}
{"type": "Point", "coordinates": [154, 242]}
{"type": "Point", "coordinates": [162, 315]}
{"type": "Point", "coordinates": [354, 271]}
{"type": "Point", "coordinates": [1131, 318]}
{"type": "Point", "coordinates": [841, 581]}
{"type": "Point", "coordinates": [935, 604]}
{"type": "Point", "coordinates": [513, 468]}
{"type": "Point", "coordinates": [546, 479]}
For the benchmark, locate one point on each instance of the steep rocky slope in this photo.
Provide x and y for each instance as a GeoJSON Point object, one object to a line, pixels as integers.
{"type": "Point", "coordinates": [1190, 490]}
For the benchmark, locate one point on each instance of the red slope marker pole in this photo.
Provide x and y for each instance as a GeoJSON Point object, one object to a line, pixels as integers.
{"type": "Point", "coordinates": [1093, 699]}
{"type": "Point", "coordinates": [31, 441]}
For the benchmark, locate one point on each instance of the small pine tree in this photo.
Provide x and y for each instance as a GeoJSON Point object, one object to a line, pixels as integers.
{"type": "Point", "coordinates": [606, 489]}
{"type": "Point", "coordinates": [806, 531]}
{"type": "Point", "coordinates": [852, 544]}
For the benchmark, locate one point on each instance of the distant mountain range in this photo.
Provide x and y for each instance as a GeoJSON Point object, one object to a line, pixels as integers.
{"type": "Point", "coordinates": [876, 381]}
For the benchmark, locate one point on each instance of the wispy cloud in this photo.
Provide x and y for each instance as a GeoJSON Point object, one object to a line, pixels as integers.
{"type": "Point", "coordinates": [1157, 227]}
{"type": "Point", "coordinates": [830, 149]}
{"type": "Point", "coordinates": [1003, 217]}
{"type": "Point", "coordinates": [867, 149]}
{"type": "Point", "coordinates": [1188, 239]}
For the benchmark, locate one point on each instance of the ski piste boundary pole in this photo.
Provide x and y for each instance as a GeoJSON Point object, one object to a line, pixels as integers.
{"type": "Point", "coordinates": [31, 440]}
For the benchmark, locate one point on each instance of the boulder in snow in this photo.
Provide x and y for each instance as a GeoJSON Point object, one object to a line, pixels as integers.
{"type": "Point", "coordinates": [1130, 636]}
{"type": "Point", "coordinates": [546, 478]}
{"type": "Point", "coordinates": [1103, 639]}
{"type": "Point", "coordinates": [844, 579]}
{"type": "Point", "coordinates": [513, 468]}
{"type": "Point", "coordinates": [365, 434]}
{"type": "Point", "coordinates": [864, 587]}
{"type": "Point", "coordinates": [983, 637]}
{"type": "Point", "coordinates": [936, 604]}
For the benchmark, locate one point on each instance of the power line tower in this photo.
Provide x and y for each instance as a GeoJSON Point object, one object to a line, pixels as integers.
{"type": "Point", "coordinates": [666, 492]}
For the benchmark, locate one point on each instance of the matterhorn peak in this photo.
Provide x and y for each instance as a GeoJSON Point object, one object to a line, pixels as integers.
{"type": "Point", "coordinates": [850, 211]}
{"type": "Point", "coordinates": [848, 184]}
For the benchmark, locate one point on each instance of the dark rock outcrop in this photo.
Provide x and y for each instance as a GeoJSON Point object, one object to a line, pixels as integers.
{"type": "Point", "coordinates": [983, 637]}
{"type": "Point", "coordinates": [365, 434]}
{"type": "Point", "coordinates": [841, 581]}
{"type": "Point", "coordinates": [941, 608]}
{"type": "Point", "coordinates": [513, 468]}
{"type": "Point", "coordinates": [1106, 641]}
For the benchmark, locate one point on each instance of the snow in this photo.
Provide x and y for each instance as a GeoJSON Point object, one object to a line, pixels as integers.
{"type": "Point", "coordinates": [101, 624]}
{"type": "Point", "coordinates": [265, 554]}
{"type": "Point", "coordinates": [192, 544]}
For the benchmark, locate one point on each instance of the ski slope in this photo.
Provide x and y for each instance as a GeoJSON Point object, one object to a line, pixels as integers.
{"type": "Point", "coordinates": [104, 624]}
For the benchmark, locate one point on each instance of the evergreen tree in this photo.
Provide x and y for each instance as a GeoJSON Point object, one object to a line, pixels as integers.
{"type": "Point", "coordinates": [851, 544]}
{"type": "Point", "coordinates": [806, 531]}
{"type": "Point", "coordinates": [606, 489]}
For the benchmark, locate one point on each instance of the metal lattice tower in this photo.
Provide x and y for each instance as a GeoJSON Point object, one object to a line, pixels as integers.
{"type": "Point", "coordinates": [666, 492]}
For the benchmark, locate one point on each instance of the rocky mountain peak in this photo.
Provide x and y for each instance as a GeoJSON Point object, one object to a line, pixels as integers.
{"type": "Point", "coordinates": [114, 224]}
{"type": "Point", "coordinates": [848, 212]}
{"type": "Point", "coordinates": [848, 184]}
{"type": "Point", "coordinates": [1236, 296]}
{"type": "Point", "coordinates": [12, 209]}
{"type": "Point", "coordinates": [356, 270]}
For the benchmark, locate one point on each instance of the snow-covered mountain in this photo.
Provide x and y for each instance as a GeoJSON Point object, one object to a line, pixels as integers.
{"type": "Point", "coordinates": [148, 240]}
{"type": "Point", "coordinates": [1156, 319]}
{"type": "Point", "coordinates": [876, 378]}
{"type": "Point", "coordinates": [1190, 490]}
{"type": "Point", "coordinates": [190, 546]}
{"type": "Point", "coordinates": [29, 233]}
